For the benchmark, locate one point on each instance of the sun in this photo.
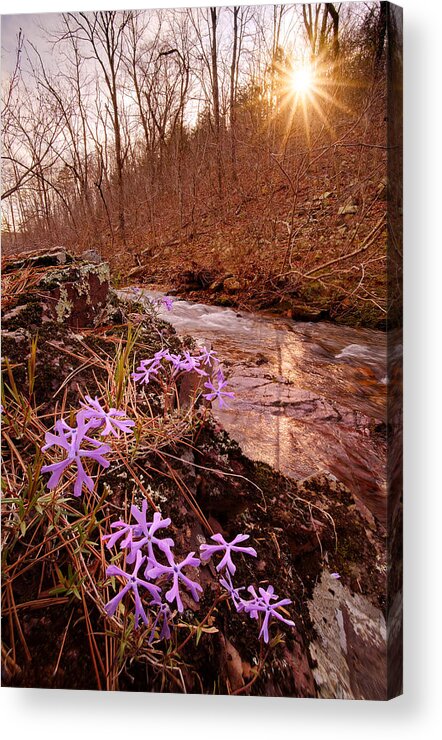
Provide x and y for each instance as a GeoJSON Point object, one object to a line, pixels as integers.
{"type": "Point", "coordinates": [307, 90]}
{"type": "Point", "coordinates": [302, 79]}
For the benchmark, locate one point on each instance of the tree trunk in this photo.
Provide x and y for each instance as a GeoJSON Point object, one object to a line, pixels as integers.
{"type": "Point", "coordinates": [233, 71]}
{"type": "Point", "coordinates": [215, 92]}
{"type": "Point", "coordinates": [334, 15]}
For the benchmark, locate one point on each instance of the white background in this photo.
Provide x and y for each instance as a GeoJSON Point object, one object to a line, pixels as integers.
{"type": "Point", "coordinates": [46, 714]}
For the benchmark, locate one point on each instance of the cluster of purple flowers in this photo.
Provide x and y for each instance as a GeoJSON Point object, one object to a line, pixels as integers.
{"type": "Point", "coordinates": [143, 536]}
{"type": "Point", "coordinates": [154, 555]}
{"type": "Point", "coordinates": [260, 604]}
{"type": "Point", "coordinates": [186, 362]}
{"type": "Point", "coordinates": [155, 567]}
{"type": "Point", "coordinates": [78, 445]}
{"type": "Point", "coordinates": [76, 441]}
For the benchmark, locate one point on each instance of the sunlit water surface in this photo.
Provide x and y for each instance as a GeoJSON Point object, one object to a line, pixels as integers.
{"type": "Point", "coordinates": [308, 396]}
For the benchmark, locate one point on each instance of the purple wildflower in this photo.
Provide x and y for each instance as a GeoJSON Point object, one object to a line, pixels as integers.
{"type": "Point", "coordinates": [208, 550]}
{"type": "Point", "coordinates": [262, 605]}
{"type": "Point", "coordinates": [253, 603]}
{"type": "Point", "coordinates": [112, 423]}
{"type": "Point", "coordinates": [70, 440]}
{"type": "Point", "coordinates": [217, 392]}
{"type": "Point", "coordinates": [130, 530]}
{"type": "Point", "coordinates": [148, 536]}
{"type": "Point", "coordinates": [167, 302]}
{"type": "Point", "coordinates": [165, 613]}
{"type": "Point", "coordinates": [133, 583]}
{"type": "Point", "coordinates": [233, 592]}
{"type": "Point", "coordinates": [176, 361]}
{"type": "Point", "coordinates": [162, 354]}
{"type": "Point", "coordinates": [145, 369]}
{"type": "Point", "coordinates": [336, 576]}
{"type": "Point", "coordinates": [208, 356]}
{"type": "Point", "coordinates": [174, 571]}
{"type": "Point", "coordinates": [190, 363]}
{"type": "Point", "coordinates": [149, 367]}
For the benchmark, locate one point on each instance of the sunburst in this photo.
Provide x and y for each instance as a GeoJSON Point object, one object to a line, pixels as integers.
{"type": "Point", "coordinates": [302, 79]}
{"type": "Point", "coordinates": [304, 90]}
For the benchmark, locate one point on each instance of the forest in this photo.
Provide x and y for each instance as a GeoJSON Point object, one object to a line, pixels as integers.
{"type": "Point", "coordinates": [246, 143]}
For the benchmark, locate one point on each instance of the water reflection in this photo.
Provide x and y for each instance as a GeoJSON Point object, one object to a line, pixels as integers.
{"type": "Point", "coordinates": [309, 397]}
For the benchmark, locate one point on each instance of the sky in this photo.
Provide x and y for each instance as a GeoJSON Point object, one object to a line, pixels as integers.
{"type": "Point", "coordinates": [31, 27]}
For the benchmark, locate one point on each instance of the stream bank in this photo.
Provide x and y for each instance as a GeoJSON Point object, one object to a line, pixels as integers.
{"type": "Point", "coordinates": [315, 303]}
{"type": "Point", "coordinates": [306, 527]}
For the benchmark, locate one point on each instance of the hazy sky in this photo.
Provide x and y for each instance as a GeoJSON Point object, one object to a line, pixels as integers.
{"type": "Point", "coordinates": [31, 27]}
{"type": "Point", "coordinates": [30, 22]}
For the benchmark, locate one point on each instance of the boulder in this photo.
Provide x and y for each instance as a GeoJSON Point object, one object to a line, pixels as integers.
{"type": "Point", "coordinates": [76, 294]}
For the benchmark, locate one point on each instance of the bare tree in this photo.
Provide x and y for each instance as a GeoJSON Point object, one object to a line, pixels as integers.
{"type": "Point", "coordinates": [215, 92]}
{"type": "Point", "coordinates": [322, 21]}
{"type": "Point", "coordinates": [233, 88]}
{"type": "Point", "coordinates": [103, 32]}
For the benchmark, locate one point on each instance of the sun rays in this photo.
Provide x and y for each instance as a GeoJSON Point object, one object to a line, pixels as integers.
{"type": "Point", "coordinates": [308, 89]}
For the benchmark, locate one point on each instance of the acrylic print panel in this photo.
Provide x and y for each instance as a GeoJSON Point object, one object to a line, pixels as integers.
{"type": "Point", "coordinates": [201, 407]}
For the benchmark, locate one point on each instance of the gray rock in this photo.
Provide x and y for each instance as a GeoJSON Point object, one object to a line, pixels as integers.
{"type": "Point", "coordinates": [350, 651]}
{"type": "Point", "coordinates": [92, 256]}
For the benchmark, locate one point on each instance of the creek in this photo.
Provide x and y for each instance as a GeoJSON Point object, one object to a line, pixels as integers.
{"type": "Point", "coordinates": [309, 397]}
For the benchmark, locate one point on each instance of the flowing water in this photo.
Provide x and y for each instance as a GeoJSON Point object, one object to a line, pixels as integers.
{"type": "Point", "coordinates": [308, 396]}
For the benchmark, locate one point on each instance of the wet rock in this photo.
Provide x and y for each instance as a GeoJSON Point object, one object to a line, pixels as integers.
{"type": "Point", "coordinates": [299, 311]}
{"type": "Point", "coordinates": [265, 391]}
